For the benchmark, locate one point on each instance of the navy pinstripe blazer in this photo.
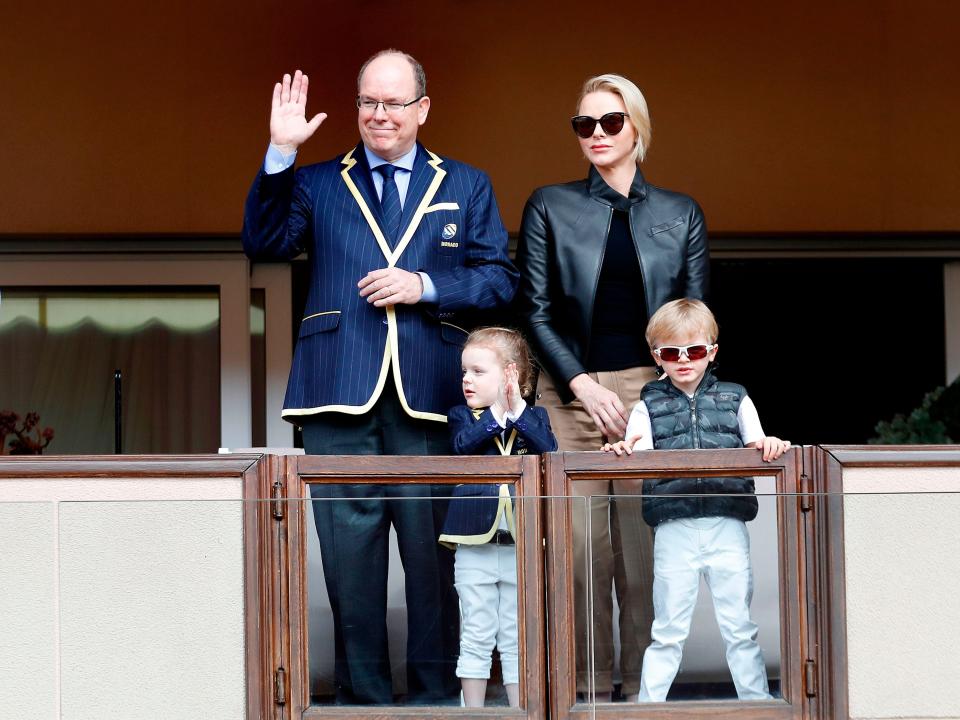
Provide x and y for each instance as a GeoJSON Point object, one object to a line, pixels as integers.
{"type": "Point", "coordinates": [451, 229]}
{"type": "Point", "coordinates": [475, 510]}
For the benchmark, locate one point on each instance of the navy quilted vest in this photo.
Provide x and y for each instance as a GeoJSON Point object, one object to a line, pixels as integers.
{"type": "Point", "coordinates": [708, 420]}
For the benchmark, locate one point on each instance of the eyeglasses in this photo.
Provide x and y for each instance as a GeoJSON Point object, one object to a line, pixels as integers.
{"type": "Point", "coordinates": [672, 353]}
{"type": "Point", "coordinates": [611, 123]}
{"type": "Point", "coordinates": [365, 103]}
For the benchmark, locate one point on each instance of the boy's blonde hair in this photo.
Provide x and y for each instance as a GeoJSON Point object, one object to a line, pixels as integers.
{"type": "Point", "coordinates": [509, 347]}
{"type": "Point", "coordinates": [681, 317]}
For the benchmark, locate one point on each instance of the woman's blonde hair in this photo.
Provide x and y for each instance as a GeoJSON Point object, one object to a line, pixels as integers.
{"type": "Point", "coordinates": [633, 101]}
{"type": "Point", "coordinates": [679, 318]}
{"type": "Point", "coordinates": [509, 347]}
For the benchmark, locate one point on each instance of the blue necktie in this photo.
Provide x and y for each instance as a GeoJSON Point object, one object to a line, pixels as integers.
{"type": "Point", "coordinates": [390, 203]}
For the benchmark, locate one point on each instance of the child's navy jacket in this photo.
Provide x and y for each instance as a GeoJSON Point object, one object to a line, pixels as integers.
{"type": "Point", "coordinates": [475, 511]}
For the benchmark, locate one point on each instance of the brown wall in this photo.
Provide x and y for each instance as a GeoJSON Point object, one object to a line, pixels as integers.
{"type": "Point", "coordinates": [814, 116]}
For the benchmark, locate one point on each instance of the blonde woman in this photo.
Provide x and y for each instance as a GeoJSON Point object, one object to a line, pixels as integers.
{"type": "Point", "coordinates": [597, 257]}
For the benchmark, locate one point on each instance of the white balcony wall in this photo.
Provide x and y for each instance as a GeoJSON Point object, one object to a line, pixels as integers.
{"type": "Point", "coordinates": [122, 599]}
{"type": "Point", "coordinates": [902, 556]}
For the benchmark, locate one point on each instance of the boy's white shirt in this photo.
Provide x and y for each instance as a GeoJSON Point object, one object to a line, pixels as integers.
{"type": "Point", "coordinates": [747, 419]}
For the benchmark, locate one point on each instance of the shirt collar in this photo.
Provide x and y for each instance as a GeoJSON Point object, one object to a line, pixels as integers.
{"type": "Point", "coordinates": [404, 162]}
{"type": "Point", "coordinates": [599, 189]}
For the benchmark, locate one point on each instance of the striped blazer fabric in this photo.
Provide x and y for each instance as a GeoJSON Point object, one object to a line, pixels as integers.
{"type": "Point", "coordinates": [476, 509]}
{"type": "Point", "coordinates": [450, 229]}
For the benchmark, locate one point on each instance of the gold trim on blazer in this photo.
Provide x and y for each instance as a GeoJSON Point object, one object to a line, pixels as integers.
{"type": "Point", "coordinates": [393, 255]}
{"type": "Point", "coordinates": [393, 333]}
{"type": "Point", "coordinates": [349, 162]}
{"type": "Point", "coordinates": [349, 409]}
{"type": "Point", "coordinates": [450, 324]}
{"type": "Point", "coordinates": [505, 506]}
{"type": "Point", "coordinates": [442, 206]}
{"type": "Point", "coordinates": [327, 312]}
{"type": "Point", "coordinates": [505, 449]}
{"type": "Point", "coordinates": [391, 349]}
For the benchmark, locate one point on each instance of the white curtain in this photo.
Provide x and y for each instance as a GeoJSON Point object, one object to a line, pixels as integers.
{"type": "Point", "coordinates": [171, 385]}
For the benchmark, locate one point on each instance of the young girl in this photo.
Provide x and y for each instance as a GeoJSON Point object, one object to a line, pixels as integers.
{"type": "Point", "coordinates": [480, 523]}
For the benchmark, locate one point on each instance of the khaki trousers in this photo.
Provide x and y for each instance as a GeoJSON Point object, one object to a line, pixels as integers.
{"type": "Point", "coordinates": [621, 543]}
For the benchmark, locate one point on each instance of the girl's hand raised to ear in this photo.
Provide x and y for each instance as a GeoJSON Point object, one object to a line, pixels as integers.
{"type": "Point", "coordinates": [512, 400]}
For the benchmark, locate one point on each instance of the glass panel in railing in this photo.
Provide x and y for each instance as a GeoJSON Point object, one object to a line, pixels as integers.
{"type": "Point", "coordinates": [151, 610]}
{"type": "Point", "coordinates": [694, 593]}
{"type": "Point", "coordinates": [569, 606]}
{"type": "Point", "coordinates": [594, 577]}
{"type": "Point", "coordinates": [412, 593]}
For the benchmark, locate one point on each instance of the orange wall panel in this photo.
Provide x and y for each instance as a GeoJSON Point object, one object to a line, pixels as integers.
{"type": "Point", "coordinates": [117, 118]}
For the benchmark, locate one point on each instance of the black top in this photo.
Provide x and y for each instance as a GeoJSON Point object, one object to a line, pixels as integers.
{"type": "Point", "coordinates": [562, 239]}
{"type": "Point", "coordinates": [620, 306]}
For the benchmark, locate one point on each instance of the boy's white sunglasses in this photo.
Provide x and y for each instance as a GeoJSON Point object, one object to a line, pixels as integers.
{"type": "Point", "coordinates": [672, 353]}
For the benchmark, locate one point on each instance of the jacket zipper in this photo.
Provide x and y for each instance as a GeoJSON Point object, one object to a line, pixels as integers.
{"type": "Point", "coordinates": [636, 249]}
{"type": "Point", "coordinates": [596, 281]}
{"type": "Point", "coordinates": [695, 430]}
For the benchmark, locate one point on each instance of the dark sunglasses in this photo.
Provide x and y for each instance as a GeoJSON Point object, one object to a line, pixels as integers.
{"type": "Point", "coordinates": [611, 123]}
{"type": "Point", "coordinates": [672, 353]}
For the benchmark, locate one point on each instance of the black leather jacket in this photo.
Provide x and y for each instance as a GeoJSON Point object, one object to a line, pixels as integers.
{"type": "Point", "coordinates": [562, 239]}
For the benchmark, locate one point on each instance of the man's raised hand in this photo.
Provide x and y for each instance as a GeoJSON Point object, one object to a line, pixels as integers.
{"type": "Point", "coordinates": [289, 128]}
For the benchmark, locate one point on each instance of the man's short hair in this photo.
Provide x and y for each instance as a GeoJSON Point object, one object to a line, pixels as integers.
{"type": "Point", "coordinates": [419, 76]}
{"type": "Point", "coordinates": [679, 318]}
{"type": "Point", "coordinates": [634, 102]}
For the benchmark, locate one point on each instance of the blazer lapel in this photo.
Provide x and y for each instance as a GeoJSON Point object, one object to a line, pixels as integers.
{"type": "Point", "coordinates": [419, 181]}
{"type": "Point", "coordinates": [356, 176]}
{"type": "Point", "coordinates": [424, 183]}
{"type": "Point", "coordinates": [363, 176]}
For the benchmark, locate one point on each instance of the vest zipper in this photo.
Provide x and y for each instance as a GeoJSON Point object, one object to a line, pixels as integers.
{"type": "Point", "coordinates": [693, 423]}
{"type": "Point", "coordinates": [636, 249]}
{"type": "Point", "coordinates": [695, 428]}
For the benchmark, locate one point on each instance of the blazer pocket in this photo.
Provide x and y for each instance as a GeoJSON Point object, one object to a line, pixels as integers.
{"type": "Point", "coordinates": [452, 333]}
{"type": "Point", "coordinates": [319, 322]}
{"type": "Point", "coordinates": [669, 225]}
{"type": "Point", "coordinates": [441, 206]}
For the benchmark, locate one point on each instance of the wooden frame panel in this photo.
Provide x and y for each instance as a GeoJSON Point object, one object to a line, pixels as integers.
{"type": "Point", "coordinates": [255, 473]}
{"type": "Point", "coordinates": [522, 470]}
{"type": "Point", "coordinates": [811, 557]}
{"type": "Point", "coordinates": [563, 469]}
{"type": "Point", "coordinates": [828, 463]}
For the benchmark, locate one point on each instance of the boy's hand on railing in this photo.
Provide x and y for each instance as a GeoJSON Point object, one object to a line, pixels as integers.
{"type": "Point", "coordinates": [622, 446]}
{"type": "Point", "coordinates": [772, 447]}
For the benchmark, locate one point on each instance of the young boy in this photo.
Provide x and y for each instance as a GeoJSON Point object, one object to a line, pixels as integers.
{"type": "Point", "coordinates": [706, 532]}
{"type": "Point", "coordinates": [480, 521]}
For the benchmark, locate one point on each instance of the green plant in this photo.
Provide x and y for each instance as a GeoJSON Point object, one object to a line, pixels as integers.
{"type": "Point", "coordinates": [935, 422]}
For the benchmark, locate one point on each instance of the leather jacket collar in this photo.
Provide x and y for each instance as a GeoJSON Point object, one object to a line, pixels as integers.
{"type": "Point", "coordinates": [599, 190]}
